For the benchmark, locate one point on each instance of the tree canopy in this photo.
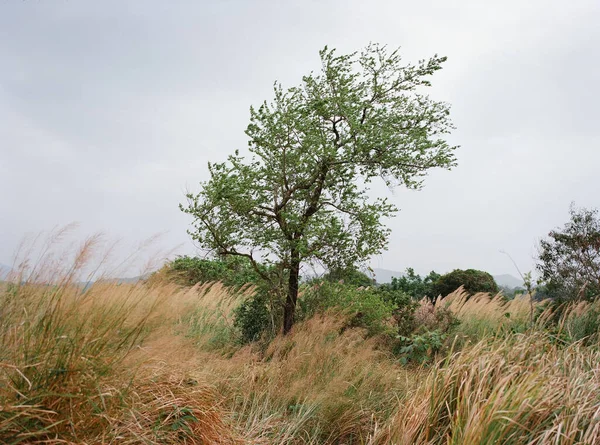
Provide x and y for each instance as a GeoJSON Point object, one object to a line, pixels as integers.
{"type": "Point", "coordinates": [472, 280]}
{"type": "Point", "coordinates": [414, 285]}
{"type": "Point", "coordinates": [303, 194]}
{"type": "Point", "coordinates": [569, 259]}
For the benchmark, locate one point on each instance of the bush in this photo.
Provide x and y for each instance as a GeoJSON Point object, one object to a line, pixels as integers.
{"type": "Point", "coordinates": [404, 308]}
{"type": "Point", "coordinates": [420, 348]}
{"type": "Point", "coordinates": [472, 280]}
{"type": "Point", "coordinates": [430, 317]}
{"type": "Point", "coordinates": [414, 285]}
{"type": "Point", "coordinates": [232, 271]}
{"type": "Point", "coordinates": [253, 318]}
{"type": "Point", "coordinates": [367, 308]}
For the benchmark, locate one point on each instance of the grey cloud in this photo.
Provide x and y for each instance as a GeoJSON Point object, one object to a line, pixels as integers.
{"type": "Point", "coordinates": [110, 110]}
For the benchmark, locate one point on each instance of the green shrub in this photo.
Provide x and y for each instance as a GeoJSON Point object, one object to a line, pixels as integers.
{"type": "Point", "coordinates": [420, 348]}
{"type": "Point", "coordinates": [365, 308]}
{"type": "Point", "coordinates": [350, 276]}
{"type": "Point", "coordinates": [414, 285]}
{"type": "Point", "coordinates": [232, 271]}
{"type": "Point", "coordinates": [473, 281]}
{"type": "Point", "coordinates": [404, 307]}
{"type": "Point", "coordinates": [253, 317]}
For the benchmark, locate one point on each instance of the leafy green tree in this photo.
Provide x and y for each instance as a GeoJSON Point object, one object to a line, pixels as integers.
{"type": "Point", "coordinates": [302, 196]}
{"type": "Point", "coordinates": [569, 259]}
{"type": "Point", "coordinates": [473, 281]}
{"type": "Point", "coordinates": [415, 285]}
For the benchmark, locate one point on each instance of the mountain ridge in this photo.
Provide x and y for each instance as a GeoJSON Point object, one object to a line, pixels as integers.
{"type": "Point", "coordinates": [4, 271]}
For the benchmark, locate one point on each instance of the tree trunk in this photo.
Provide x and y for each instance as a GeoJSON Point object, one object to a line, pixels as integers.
{"type": "Point", "coordinates": [292, 295]}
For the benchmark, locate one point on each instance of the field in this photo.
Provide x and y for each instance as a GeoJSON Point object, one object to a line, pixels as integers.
{"type": "Point", "coordinates": [158, 363]}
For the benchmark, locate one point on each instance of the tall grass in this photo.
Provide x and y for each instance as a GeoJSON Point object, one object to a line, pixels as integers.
{"type": "Point", "coordinates": [524, 389]}
{"type": "Point", "coordinates": [67, 367]}
{"type": "Point", "coordinates": [320, 384]}
{"type": "Point", "coordinates": [156, 363]}
{"type": "Point", "coordinates": [483, 314]}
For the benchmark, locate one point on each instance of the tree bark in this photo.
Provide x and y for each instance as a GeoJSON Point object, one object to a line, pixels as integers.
{"type": "Point", "coordinates": [289, 308]}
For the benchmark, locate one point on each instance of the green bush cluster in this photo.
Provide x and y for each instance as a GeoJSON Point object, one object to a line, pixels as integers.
{"type": "Point", "coordinates": [366, 307]}
{"type": "Point", "coordinates": [414, 285]}
{"type": "Point", "coordinates": [351, 276]}
{"type": "Point", "coordinates": [232, 271]}
{"type": "Point", "coordinates": [380, 309]}
{"type": "Point", "coordinates": [434, 284]}
{"type": "Point", "coordinates": [420, 348]}
{"type": "Point", "coordinates": [252, 318]}
{"type": "Point", "coordinates": [472, 280]}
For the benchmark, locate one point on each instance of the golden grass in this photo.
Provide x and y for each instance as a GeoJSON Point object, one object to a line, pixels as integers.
{"type": "Point", "coordinates": [522, 390]}
{"type": "Point", "coordinates": [327, 384]}
{"type": "Point", "coordinates": [156, 363]}
{"type": "Point", "coordinates": [494, 309]}
{"type": "Point", "coordinates": [129, 377]}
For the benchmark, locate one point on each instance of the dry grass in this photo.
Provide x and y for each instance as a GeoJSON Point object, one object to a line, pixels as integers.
{"type": "Point", "coordinates": [492, 308]}
{"type": "Point", "coordinates": [321, 384]}
{"type": "Point", "coordinates": [155, 363]}
{"type": "Point", "coordinates": [481, 314]}
{"type": "Point", "coordinates": [72, 366]}
{"type": "Point", "coordinates": [522, 390]}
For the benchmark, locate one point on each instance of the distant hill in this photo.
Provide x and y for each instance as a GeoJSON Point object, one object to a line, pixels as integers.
{"type": "Point", "coordinates": [122, 280]}
{"type": "Point", "coordinates": [4, 271]}
{"type": "Point", "coordinates": [385, 275]}
{"type": "Point", "coordinates": [507, 280]}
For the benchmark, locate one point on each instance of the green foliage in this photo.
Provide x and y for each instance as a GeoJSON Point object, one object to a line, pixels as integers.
{"type": "Point", "coordinates": [420, 348]}
{"type": "Point", "coordinates": [351, 276]}
{"type": "Point", "coordinates": [583, 327]}
{"type": "Point", "coordinates": [473, 281]}
{"type": "Point", "coordinates": [404, 307]}
{"type": "Point", "coordinates": [512, 292]}
{"type": "Point", "coordinates": [444, 321]}
{"type": "Point", "coordinates": [175, 420]}
{"type": "Point", "coordinates": [253, 317]}
{"type": "Point", "coordinates": [569, 259]}
{"type": "Point", "coordinates": [232, 271]}
{"type": "Point", "coordinates": [302, 196]}
{"type": "Point", "coordinates": [414, 285]}
{"type": "Point", "coordinates": [366, 308]}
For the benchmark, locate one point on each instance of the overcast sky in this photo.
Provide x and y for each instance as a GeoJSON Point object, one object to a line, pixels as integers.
{"type": "Point", "coordinates": [110, 110]}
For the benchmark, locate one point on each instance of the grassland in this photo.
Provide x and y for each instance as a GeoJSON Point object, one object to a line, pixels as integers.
{"type": "Point", "coordinates": [157, 363]}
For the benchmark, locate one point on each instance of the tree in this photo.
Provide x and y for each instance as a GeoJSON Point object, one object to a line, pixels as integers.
{"type": "Point", "coordinates": [569, 259]}
{"type": "Point", "coordinates": [415, 285]}
{"type": "Point", "coordinates": [302, 197]}
{"type": "Point", "coordinates": [473, 281]}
